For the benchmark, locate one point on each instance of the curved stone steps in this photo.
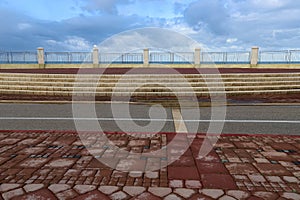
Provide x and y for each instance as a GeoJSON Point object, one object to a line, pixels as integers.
{"type": "Point", "coordinates": [153, 85]}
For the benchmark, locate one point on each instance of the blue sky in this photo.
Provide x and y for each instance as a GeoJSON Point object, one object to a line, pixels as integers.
{"type": "Point", "coordinates": [220, 25]}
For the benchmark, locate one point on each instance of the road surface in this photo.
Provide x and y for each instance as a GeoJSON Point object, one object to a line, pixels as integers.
{"type": "Point", "coordinates": [239, 119]}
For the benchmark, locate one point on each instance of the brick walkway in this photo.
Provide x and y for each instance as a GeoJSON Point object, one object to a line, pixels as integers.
{"type": "Point", "coordinates": [56, 165]}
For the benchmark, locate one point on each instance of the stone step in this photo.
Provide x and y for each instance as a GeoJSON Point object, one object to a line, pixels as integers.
{"type": "Point", "coordinates": [152, 84]}
{"type": "Point", "coordinates": [146, 94]}
{"type": "Point", "coordinates": [63, 76]}
{"type": "Point", "coordinates": [150, 89]}
{"type": "Point", "coordinates": [151, 79]}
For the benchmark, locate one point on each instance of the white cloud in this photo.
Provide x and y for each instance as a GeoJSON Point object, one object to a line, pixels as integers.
{"type": "Point", "coordinates": [24, 26]}
{"type": "Point", "coordinates": [72, 43]}
{"type": "Point", "coordinates": [231, 40]}
{"type": "Point", "coordinates": [218, 24]}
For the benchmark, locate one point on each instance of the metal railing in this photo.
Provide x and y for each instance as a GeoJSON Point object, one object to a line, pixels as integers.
{"type": "Point", "coordinates": [171, 58]}
{"type": "Point", "coordinates": [68, 57]}
{"type": "Point", "coordinates": [264, 57]}
{"type": "Point", "coordinates": [18, 57]}
{"type": "Point", "coordinates": [122, 58]}
{"type": "Point", "coordinates": [225, 57]}
{"type": "Point", "coordinates": [284, 57]}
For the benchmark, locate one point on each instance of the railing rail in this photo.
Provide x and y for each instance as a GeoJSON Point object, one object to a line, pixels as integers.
{"type": "Point", "coordinates": [171, 58]}
{"type": "Point", "coordinates": [18, 57]}
{"type": "Point", "coordinates": [225, 57]}
{"type": "Point", "coordinates": [242, 57]}
{"type": "Point", "coordinates": [285, 57]}
{"type": "Point", "coordinates": [68, 57]}
{"type": "Point", "coordinates": [121, 58]}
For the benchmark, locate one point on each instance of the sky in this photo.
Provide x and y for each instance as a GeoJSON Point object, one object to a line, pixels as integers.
{"type": "Point", "coordinates": [219, 25]}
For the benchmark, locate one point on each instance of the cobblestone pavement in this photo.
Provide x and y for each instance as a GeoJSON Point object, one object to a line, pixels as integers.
{"type": "Point", "coordinates": [58, 165]}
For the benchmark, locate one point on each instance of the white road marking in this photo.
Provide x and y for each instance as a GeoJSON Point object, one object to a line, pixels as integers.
{"type": "Point", "coordinates": [178, 121]}
{"type": "Point", "coordinates": [148, 119]}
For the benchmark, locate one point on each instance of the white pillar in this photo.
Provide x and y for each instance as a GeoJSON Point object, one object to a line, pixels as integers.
{"type": "Point", "coordinates": [197, 56]}
{"type": "Point", "coordinates": [254, 56]}
{"type": "Point", "coordinates": [146, 57]}
{"type": "Point", "coordinates": [95, 55]}
{"type": "Point", "coordinates": [41, 56]}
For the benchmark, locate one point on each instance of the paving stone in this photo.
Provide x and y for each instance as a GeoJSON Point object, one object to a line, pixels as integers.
{"type": "Point", "coordinates": [131, 165]}
{"type": "Point", "coordinates": [108, 189]}
{"type": "Point", "coordinates": [218, 181]}
{"type": "Point", "coordinates": [245, 145]}
{"type": "Point", "coordinates": [56, 188]}
{"type": "Point", "coordinates": [32, 187]}
{"type": "Point", "coordinates": [256, 178]}
{"type": "Point", "coordinates": [93, 195]}
{"type": "Point", "coordinates": [211, 157]}
{"type": "Point", "coordinates": [7, 186]}
{"type": "Point", "coordinates": [276, 179]}
{"type": "Point", "coordinates": [226, 197]}
{"type": "Point", "coordinates": [172, 197]}
{"type": "Point", "coordinates": [135, 174]}
{"type": "Point", "coordinates": [211, 168]}
{"type": "Point", "coordinates": [13, 193]}
{"type": "Point", "coordinates": [176, 183]}
{"type": "Point", "coordinates": [272, 169]}
{"type": "Point", "coordinates": [221, 144]}
{"type": "Point", "coordinates": [266, 195]}
{"type": "Point", "coordinates": [9, 141]}
{"type": "Point", "coordinates": [61, 163]}
{"type": "Point", "coordinates": [193, 184]}
{"type": "Point", "coordinates": [81, 189]}
{"type": "Point", "coordinates": [33, 163]}
{"type": "Point", "coordinates": [261, 160]}
{"type": "Point", "coordinates": [289, 195]}
{"type": "Point", "coordinates": [146, 196]}
{"type": "Point", "coordinates": [152, 175]}
{"type": "Point", "coordinates": [42, 194]}
{"type": "Point", "coordinates": [183, 173]}
{"type": "Point", "coordinates": [258, 198]}
{"type": "Point", "coordinates": [185, 193]}
{"type": "Point", "coordinates": [238, 194]}
{"type": "Point", "coordinates": [284, 146]}
{"type": "Point", "coordinates": [213, 193]}
{"type": "Point", "coordinates": [102, 163]}
{"type": "Point", "coordinates": [241, 168]}
{"type": "Point", "coordinates": [133, 143]}
{"type": "Point", "coordinates": [291, 179]}
{"type": "Point", "coordinates": [184, 161]}
{"type": "Point", "coordinates": [160, 191]}
{"type": "Point", "coordinates": [200, 197]}
{"type": "Point", "coordinates": [133, 190]}
{"type": "Point", "coordinates": [278, 156]}
{"type": "Point", "coordinates": [119, 196]}
{"type": "Point", "coordinates": [68, 194]}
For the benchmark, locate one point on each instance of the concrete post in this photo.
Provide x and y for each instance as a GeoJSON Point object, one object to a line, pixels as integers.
{"type": "Point", "coordinates": [146, 57]}
{"type": "Point", "coordinates": [95, 56]}
{"type": "Point", "coordinates": [197, 56]}
{"type": "Point", "coordinates": [254, 56]}
{"type": "Point", "coordinates": [40, 55]}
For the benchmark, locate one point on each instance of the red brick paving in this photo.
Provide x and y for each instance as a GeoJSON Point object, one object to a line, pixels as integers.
{"type": "Point", "coordinates": [55, 165]}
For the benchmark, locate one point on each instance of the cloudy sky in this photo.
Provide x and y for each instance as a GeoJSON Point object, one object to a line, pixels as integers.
{"type": "Point", "coordinates": [220, 25]}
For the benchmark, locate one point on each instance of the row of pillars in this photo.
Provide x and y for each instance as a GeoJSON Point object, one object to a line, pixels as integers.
{"type": "Point", "coordinates": [146, 60]}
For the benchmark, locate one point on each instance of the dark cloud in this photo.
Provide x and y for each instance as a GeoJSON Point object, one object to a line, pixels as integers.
{"type": "Point", "coordinates": [210, 14]}
{"type": "Point", "coordinates": [103, 6]}
{"type": "Point", "coordinates": [219, 24]}
{"type": "Point", "coordinates": [20, 32]}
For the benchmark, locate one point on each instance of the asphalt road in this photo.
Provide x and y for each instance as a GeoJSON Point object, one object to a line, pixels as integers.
{"type": "Point", "coordinates": [239, 119]}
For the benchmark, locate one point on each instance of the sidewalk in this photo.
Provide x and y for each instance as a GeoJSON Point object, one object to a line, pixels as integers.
{"type": "Point", "coordinates": [56, 165]}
